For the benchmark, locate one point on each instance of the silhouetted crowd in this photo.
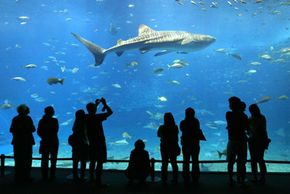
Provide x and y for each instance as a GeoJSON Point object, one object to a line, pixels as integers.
{"type": "Point", "coordinates": [89, 144]}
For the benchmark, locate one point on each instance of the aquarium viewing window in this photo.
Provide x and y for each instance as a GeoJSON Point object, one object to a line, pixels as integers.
{"type": "Point", "coordinates": [229, 48]}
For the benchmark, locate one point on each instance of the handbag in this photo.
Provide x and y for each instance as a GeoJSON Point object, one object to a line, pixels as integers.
{"type": "Point", "coordinates": [200, 135]}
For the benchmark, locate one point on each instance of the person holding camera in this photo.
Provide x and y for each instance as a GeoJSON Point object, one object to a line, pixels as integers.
{"type": "Point", "coordinates": [258, 143]}
{"type": "Point", "coordinates": [96, 137]}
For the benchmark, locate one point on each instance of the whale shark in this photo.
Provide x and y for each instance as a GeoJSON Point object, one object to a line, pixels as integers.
{"type": "Point", "coordinates": [149, 39]}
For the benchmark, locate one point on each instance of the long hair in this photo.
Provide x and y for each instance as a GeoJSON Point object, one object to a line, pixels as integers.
{"type": "Point", "coordinates": [169, 119]}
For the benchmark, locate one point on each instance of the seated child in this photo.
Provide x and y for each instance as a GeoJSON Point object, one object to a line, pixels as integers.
{"type": "Point", "coordinates": [139, 164]}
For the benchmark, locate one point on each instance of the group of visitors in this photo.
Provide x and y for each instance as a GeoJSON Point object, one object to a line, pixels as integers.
{"type": "Point", "coordinates": [88, 144]}
{"type": "Point", "coordinates": [244, 132]}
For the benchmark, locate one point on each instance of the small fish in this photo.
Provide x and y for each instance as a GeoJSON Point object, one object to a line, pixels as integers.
{"type": "Point", "coordinates": [132, 64]}
{"type": "Point", "coordinates": [6, 105]}
{"type": "Point", "coordinates": [177, 64]}
{"type": "Point", "coordinates": [251, 71]}
{"type": "Point", "coordinates": [53, 80]}
{"type": "Point", "coordinates": [30, 66]}
{"type": "Point", "coordinates": [221, 50]}
{"type": "Point", "coordinates": [23, 17]}
{"type": "Point", "coordinates": [175, 82]}
{"type": "Point", "coordinates": [126, 135]}
{"type": "Point", "coordinates": [158, 71]}
{"type": "Point", "coordinates": [222, 153]}
{"type": "Point", "coordinates": [236, 55]}
{"type": "Point", "coordinates": [120, 142]}
{"type": "Point", "coordinates": [75, 70]}
{"type": "Point", "coordinates": [255, 63]}
{"type": "Point", "coordinates": [283, 97]}
{"type": "Point", "coordinates": [285, 50]}
{"type": "Point", "coordinates": [266, 57]}
{"type": "Point", "coordinates": [21, 79]}
{"type": "Point", "coordinates": [264, 99]}
{"type": "Point", "coordinates": [162, 98]}
{"type": "Point", "coordinates": [117, 86]}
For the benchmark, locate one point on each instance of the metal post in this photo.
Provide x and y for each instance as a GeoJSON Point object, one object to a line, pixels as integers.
{"type": "Point", "coordinates": [2, 170]}
{"type": "Point", "coordinates": [152, 161]}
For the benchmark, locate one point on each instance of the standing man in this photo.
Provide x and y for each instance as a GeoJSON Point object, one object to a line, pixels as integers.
{"type": "Point", "coordinates": [96, 137]}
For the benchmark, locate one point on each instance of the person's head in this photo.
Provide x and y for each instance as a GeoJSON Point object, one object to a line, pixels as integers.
{"type": "Point", "coordinates": [234, 103]}
{"type": "Point", "coordinates": [22, 109]}
{"type": "Point", "coordinates": [189, 112]}
{"type": "Point", "coordinates": [169, 119]}
{"type": "Point", "coordinates": [254, 109]}
{"type": "Point", "coordinates": [91, 108]}
{"type": "Point", "coordinates": [80, 114]}
{"type": "Point", "coordinates": [243, 106]}
{"type": "Point", "coordinates": [49, 111]}
{"type": "Point", "coordinates": [139, 144]}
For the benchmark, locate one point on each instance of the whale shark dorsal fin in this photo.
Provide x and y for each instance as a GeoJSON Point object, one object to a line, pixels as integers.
{"type": "Point", "coordinates": [143, 29]}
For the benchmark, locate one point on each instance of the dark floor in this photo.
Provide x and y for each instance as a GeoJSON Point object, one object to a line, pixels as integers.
{"type": "Point", "coordinates": [210, 183]}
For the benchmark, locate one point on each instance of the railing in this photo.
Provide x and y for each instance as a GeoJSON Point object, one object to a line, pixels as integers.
{"type": "Point", "coordinates": [152, 161]}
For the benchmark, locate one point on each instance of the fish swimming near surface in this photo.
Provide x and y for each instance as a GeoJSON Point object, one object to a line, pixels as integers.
{"type": "Point", "coordinates": [149, 39]}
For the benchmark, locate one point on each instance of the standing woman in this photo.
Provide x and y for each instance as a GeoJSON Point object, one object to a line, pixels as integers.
{"type": "Point", "coordinates": [47, 131]}
{"type": "Point", "coordinates": [258, 142]}
{"type": "Point", "coordinates": [22, 128]}
{"type": "Point", "coordinates": [80, 145]}
{"type": "Point", "coordinates": [169, 148]}
{"type": "Point", "coordinates": [190, 137]}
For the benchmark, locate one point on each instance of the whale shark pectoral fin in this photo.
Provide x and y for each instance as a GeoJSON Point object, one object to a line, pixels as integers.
{"type": "Point", "coordinates": [186, 41]}
{"type": "Point", "coordinates": [162, 53]}
{"type": "Point", "coordinates": [143, 29]}
{"type": "Point", "coordinates": [144, 50]}
{"type": "Point", "coordinates": [119, 53]}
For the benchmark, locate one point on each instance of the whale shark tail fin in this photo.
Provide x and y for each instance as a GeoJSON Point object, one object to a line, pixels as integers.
{"type": "Point", "coordinates": [97, 51]}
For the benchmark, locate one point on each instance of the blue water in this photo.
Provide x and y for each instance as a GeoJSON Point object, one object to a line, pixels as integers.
{"type": "Point", "coordinates": [248, 30]}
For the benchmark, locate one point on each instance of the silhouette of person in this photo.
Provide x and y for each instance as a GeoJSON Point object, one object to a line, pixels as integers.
{"type": "Point", "coordinates": [80, 146]}
{"type": "Point", "coordinates": [169, 148]}
{"type": "Point", "coordinates": [190, 129]}
{"type": "Point", "coordinates": [237, 124]}
{"type": "Point", "coordinates": [97, 142]}
{"type": "Point", "coordinates": [22, 128]}
{"type": "Point", "coordinates": [47, 130]}
{"type": "Point", "coordinates": [258, 142]}
{"type": "Point", "coordinates": [139, 164]}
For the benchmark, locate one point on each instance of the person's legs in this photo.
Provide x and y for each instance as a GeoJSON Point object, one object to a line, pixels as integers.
{"type": "Point", "coordinates": [195, 172]}
{"type": "Point", "coordinates": [53, 163]}
{"type": "Point", "coordinates": [186, 159]}
{"type": "Point", "coordinates": [83, 169]}
{"type": "Point", "coordinates": [99, 172]}
{"type": "Point", "coordinates": [231, 157]}
{"type": "Point", "coordinates": [92, 169]}
{"type": "Point", "coordinates": [241, 161]}
{"type": "Point", "coordinates": [262, 165]}
{"type": "Point", "coordinates": [174, 166]}
{"type": "Point", "coordinates": [164, 166]}
{"type": "Point", "coordinates": [253, 154]}
{"type": "Point", "coordinates": [44, 164]}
